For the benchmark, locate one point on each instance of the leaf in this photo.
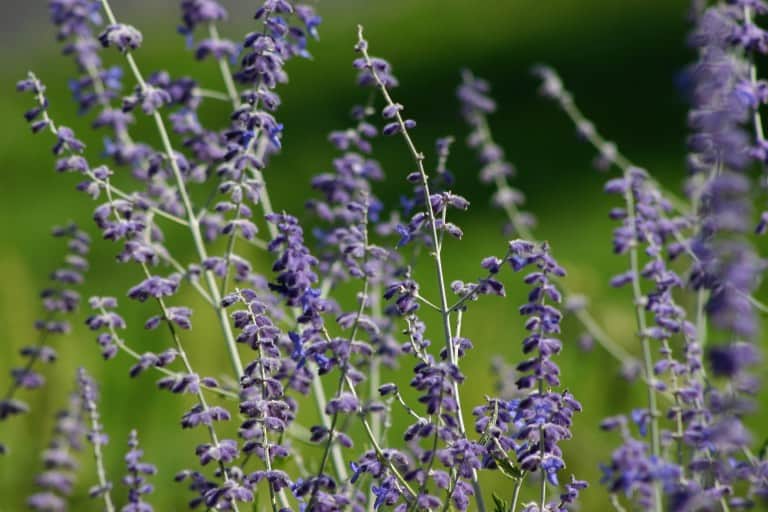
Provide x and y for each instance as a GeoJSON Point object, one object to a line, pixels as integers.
{"type": "Point", "coordinates": [763, 452]}
{"type": "Point", "coordinates": [499, 504]}
{"type": "Point", "coordinates": [508, 468]}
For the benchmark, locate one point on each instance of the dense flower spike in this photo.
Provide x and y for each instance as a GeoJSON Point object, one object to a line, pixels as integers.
{"type": "Point", "coordinates": [476, 106]}
{"type": "Point", "coordinates": [543, 416]}
{"type": "Point", "coordinates": [264, 404]}
{"type": "Point", "coordinates": [713, 237]}
{"type": "Point", "coordinates": [60, 300]}
{"type": "Point", "coordinates": [135, 480]}
{"type": "Point", "coordinates": [724, 100]}
{"type": "Point", "coordinates": [57, 480]}
{"type": "Point", "coordinates": [296, 279]}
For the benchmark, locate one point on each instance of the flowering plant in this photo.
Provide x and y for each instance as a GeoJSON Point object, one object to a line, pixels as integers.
{"type": "Point", "coordinates": [311, 414]}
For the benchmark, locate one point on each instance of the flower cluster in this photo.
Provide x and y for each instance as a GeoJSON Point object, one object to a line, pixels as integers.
{"type": "Point", "coordinates": [725, 97]}
{"type": "Point", "coordinates": [704, 435]}
{"type": "Point", "coordinates": [135, 480]}
{"type": "Point", "coordinates": [314, 412]}
{"type": "Point", "coordinates": [59, 301]}
{"type": "Point", "coordinates": [477, 104]}
{"type": "Point", "coordinates": [57, 480]}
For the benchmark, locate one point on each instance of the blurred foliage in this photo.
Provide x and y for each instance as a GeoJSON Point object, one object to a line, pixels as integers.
{"type": "Point", "coordinates": [619, 58]}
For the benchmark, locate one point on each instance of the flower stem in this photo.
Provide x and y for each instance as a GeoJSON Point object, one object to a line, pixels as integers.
{"type": "Point", "coordinates": [516, 493]}
{"type": "Point", "coordinates": [194, 225]}
{"type": "Point", "coordinates": [229, 83]}
{"type": "Point", "coordinates": [445, 312]}
{"type": "Point", "coordinates": [101, 473]}
{"type": "Point", "coordinates": [586, 319]}
{"type": "Point", "coordinates": [375, 369]}
{"type": "Point", "coordinates": [639, 303]}
{"type": "Point", "coordinates": [226, 72]}
{"type": "Point", "coordinates": [188, 366]}
{"type": "Point", "coordinates": [264, 431]}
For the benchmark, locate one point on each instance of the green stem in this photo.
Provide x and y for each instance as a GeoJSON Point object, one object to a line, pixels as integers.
{"type": "Point", "coordinates": [264, 431]}
{"type": "Point", "coordinates": [516, 493]}
{"type": "Point", "coordinates": [101, 473]}
{"type": "Point", "coordinates": [375, 378]}
{"type": "Point", "coordinates": [639, 304]}
{"type": "Point", "coordinates": [194, 225]}
{"type": "Point", "coordinates": [188, 366]}
{"type": "Point", "coordinates": [513, 215]}
{"type": "Point", "coordinates": [445, 311]}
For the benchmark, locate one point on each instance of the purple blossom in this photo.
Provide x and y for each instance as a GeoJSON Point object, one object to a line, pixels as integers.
{"type": "Point", "coordinates": [56, 482]}
{"type": "Point", "coordinates": [210, 182]}
{"type": "Point", "coordinates": [135, 479]}
{"type": "Point", "coordinates": [123, 37]}
{"type": "Point", "coordinates": [59, 300]}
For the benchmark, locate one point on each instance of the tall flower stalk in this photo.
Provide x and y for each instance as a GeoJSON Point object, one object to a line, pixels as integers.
{"type": "Point", "coordinates": [127, 46]}
{"type": "Point", "coordinates": [401, 126]}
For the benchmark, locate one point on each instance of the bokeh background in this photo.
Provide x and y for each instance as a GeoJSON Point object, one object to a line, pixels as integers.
{"type": "Point", "coordinates": [620, 58]}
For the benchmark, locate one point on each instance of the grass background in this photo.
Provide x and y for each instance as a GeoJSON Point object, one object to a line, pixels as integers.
{"type": "Point", "coordinates": [620, 58]}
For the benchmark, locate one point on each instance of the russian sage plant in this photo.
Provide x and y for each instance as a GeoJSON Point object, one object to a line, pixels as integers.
{"type": "Point", "coordinates": [374, 438]}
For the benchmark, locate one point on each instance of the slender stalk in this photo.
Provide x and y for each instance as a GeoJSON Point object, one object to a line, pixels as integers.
{"type": "Point", "coordinates": [374, 380]}
{"type": "Point", "coordinates": [318, 394]}
{"type": "Point", "coordinates": [565, 100]}
{"type": "Point", "coordinates": [101, 473]}
{"type": "Point", "coordinates": [226, 72]}
{"type": "Point", "coordinates": [379, 452]}
{"type": "Point", "coordinates": [188, 366]}
{"type": "Point", "coordinates": [543, 488]}
{"type": "Point", "coordinates": [264, 431]}
{"type": "Point", "coordinates": [14, 385]}
{"type": "Point", "coordinates": [418, 158]}
{"type": "Point", "coordinates": [105, 184]}
{"type": "Point", "coordinates": [122, 345]}
{"type": "Point", "coordinates": [516, 493]}
{"type": "Point", "coordinates": [513, 215]}
{"type": "Point", "coordinates": [229, 83]}
{"type": "Point", "coordinates": [617, 504]}
{"type": "Point", "coordinates": [233, 235]}
{"type": "Point", "coordinates": [208, 93]}
{"type": "Point", "coordinates": [639, 303]}
{"type": "Point", "coordinates": [345, 365]}
{"type": "Point", "coordinates": [757, 120]}
{"type": "Point", "coordinates": [194, 225]}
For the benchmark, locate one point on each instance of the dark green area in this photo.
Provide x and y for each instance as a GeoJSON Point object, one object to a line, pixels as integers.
{"type": "Point", "coordinates": [619, 58]}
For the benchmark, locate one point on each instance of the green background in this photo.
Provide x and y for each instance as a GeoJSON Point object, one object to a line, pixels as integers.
{"type": "Point", "coordinates": [620, 58]}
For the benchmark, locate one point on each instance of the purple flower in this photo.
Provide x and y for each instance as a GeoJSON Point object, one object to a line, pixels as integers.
{"type": "Point", "coordinates": [122, 37]}
{"type": "Point", "coordinates": [728, 264]}
{"type": "Point", "coordinates": [57, 480]}
{"type": "Point", "coordinates": [154, 286]}
{"type": "Point", "coordinates": [135, 480]}
{"type": "Point", "coordinates": [295, 265]}
{"type": "Point", "coordinates": [476, 105]}
{"type": "Point", "coordinates": [59, 301]}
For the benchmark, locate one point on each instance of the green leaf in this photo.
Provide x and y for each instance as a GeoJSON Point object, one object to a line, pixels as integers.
{"type": "Point", "coordinates": [508, 468]}
{"type": "Point", "coordinates": [499, 504]}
